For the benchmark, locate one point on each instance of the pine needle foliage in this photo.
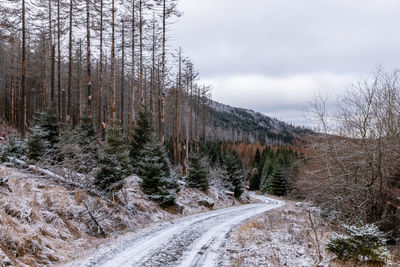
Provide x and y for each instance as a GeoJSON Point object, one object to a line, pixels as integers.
{"type": "Point", "coordinates": [141, 138]}
{"type": "Point", "coordinates": [266, 175]}
{"type": "Point", "coordinates": [360, 242]}
{"type": "Point", "coordinates": [44, 134]}
{"type": "Point", "coordinates": [115, 164]}
{"type": "Point", "coordinates": [80, 148]}
{"type": "Point", "coordinates": [198, 172]}
{"type": "Point", "coordinates": [154, 169]}
{"type": "Point", "coordinates": [234, 173]}
{"type": "Point", "coordinates": [277, 184]}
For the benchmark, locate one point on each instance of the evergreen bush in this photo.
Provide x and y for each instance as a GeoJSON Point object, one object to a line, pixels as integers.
{"type": "Point", "coordinates": [141, 138]}
{"type": "Point", "coordinates": [234, 173]}
{"type": "Point", "coordinates": [14, 148]}
{"type": "Point", "coordinates": [80, 148]}
{"type": "Point", "coordinates": [266, 175]}
{"type": "Point", "coordinates": [277, 184]}
{"type": "Point", "coordinates": [157, 181]}
{"type": "Point", "coordinates": [198, 172]}
{"type": "Point", "coordinates": [44, 135]}
{"type": "Point", "coordinates": [360, 242]}
{"type": "Point", "coordinates": [115, 164]}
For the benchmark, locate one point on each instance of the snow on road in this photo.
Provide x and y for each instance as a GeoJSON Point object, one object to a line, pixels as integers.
{"type": "Point", "coordinates": [190, 241]}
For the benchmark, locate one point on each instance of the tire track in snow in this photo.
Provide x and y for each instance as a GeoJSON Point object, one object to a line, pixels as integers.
{"type": "Point", "coordinates": [191, 241]}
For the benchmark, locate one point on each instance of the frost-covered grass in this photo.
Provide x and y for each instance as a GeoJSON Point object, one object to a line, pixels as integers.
{"type": "Point", "coordinates": [282, 237]}
{"type": "Point", "coordinates": [46, 222]}
{"type": "Point", "coordinates": [285, 237]}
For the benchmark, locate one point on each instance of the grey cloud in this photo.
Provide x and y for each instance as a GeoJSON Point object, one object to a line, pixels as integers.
{"type": "Point", "coordinates": [282, 39]}
{"type": "Point", "coordinates": [275, 37]}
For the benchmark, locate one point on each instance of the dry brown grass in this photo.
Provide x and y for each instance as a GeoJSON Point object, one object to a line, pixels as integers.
{"type": "Point", "coordinates": [274, 238]}
{"type": "Point", "coordinates": [80, 196]}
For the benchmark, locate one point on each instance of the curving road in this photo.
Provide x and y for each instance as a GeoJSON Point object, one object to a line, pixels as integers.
{"type": "Point", "coordinates": [191, 241]}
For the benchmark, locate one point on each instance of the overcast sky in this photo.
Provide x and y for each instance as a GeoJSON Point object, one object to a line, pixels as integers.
{"type": "Point", "coordinates": [273, 56]}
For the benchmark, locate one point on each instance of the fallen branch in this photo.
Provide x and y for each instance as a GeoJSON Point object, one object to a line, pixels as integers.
{"type": "Point", "coordinates": [39, 170]}
{"type": "Point", "coordinates": [100, 230]}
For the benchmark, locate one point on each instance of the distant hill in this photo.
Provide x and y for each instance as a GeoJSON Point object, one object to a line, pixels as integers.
{"type": "Point", "coordinates": [245, 125]}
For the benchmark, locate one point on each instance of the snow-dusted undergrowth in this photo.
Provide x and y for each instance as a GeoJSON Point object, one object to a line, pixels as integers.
{"type": "Point", "coordinates": [45, 222]}
{"type": "Point", "coordinates": [282, 237]}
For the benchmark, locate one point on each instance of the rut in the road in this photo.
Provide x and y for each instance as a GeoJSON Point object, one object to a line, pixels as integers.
{"type": "Point", "coordinates": [170, 254]}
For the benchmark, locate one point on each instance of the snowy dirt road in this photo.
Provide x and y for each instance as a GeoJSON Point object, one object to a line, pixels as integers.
{"type": "Point", "coordinates": [191, 241]}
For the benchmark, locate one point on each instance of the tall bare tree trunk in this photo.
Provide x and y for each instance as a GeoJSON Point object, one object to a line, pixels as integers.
{"type": "Point", "coordinates": [79, 112]}
{"type": "Point", "coordinates": [42, 100]}
{"type": "Point", "coordinates": [122, 74]}
{"type": "Point", "coordinates": [204, 115]}
{"type": "Point", "coordinates": [69, 95]}
{"type": "Point", "coordinates": [141, 85]}
{"type": "Point", "coordinates": [162, 115]}
{"type": "Point", "coordinates": [113, 109]}
{"type": "Point", "coordinates": [23, 81]}
{"type": "Point", "coordinates": [89, 78]}
{"type": "Point", "coordinates": [175, 124]}
{"type": "Point", "coordinates": [101, 106]}
{"type": "Point", "coordinates": [133, 69]}
{"type": "Point", "coordinates": [179, 108]}
{"type": "Point", "coordinates": [189, 81]}
{"type": "Point", "coordinates": [60, 93]}
{"type": "Point", "coordinates": [52, 64]}
{"type": "Point", "coordinates": [197, 120]}
{"type": "Point", "coordinates": [153, 58]}
{"type": "Point", "coordinates": [12, 92]}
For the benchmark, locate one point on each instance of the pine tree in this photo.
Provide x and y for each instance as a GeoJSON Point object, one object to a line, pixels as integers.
{"type": "Point", "coordinates": [278, 184]}
{"type": "Point", "coordinates": [44, 134]}
{"type": "Point", "coordinates": [36, 143]}
{"type": "Point", "coordinates": [255, 176]}
{"type": "Point", "coordinates": [141, 138]}
{"type": "Point", "coordinates": [257, 158]}
{"type": "Point", "coordinates": [115, 164]}
{"type": "Point", "coordinates": [14, 148]}
{"type": "Point", "coordinates": [198, 172]}
{"type": "Point", "coordinates": [266, 175]}
{"type": "Point", "coordinates": [234, 173]}
{"type": "Point", "coordinates": [157, 181]}
{"type": "Point", "coordinates": [79, 146]}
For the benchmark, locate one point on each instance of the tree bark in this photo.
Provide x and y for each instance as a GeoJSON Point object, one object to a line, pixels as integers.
{"type": "Point", "coordinates": [69, 95]}
{"type": "Point", "coordinates": [179, 108]}
{"type": "Point", "coordinates": [113, 109]}
{"type": "Point", "coordinates": [153, 58]}
{"type": "Point", "coordinates": [53, 52]}
{"type": "Point", "coordinates": [141, 86]}
{"type": "Point", "coordinates": [101, 106]}
{"type": "Point", "coordinates": [88, 59]}
{"type": "Point", "coordinates": [133, 69]}
{"type": "Point", "coordinates": [122, 74]}
{"type": "Point", "coordinates": [23, 81]}
{"type": "Point", "coordinates": [162, 128]}
{"type": "Point", "coordinates": [60, 93]}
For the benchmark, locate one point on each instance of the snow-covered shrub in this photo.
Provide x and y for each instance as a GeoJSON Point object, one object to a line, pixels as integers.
{"type": "Point", "coordinates": [44, 135]}
{"type": "Point", "coordinates": [14, 148]}
{"type": "Point", "coordinates": [157, 181]}
{"type": "Point", "coordinates": [79, 147]}
{"type": "Point", "coordinates": [114, 165]}
{"type": "Point", "coordinates": [360, 242]}
{"type": "Point", "coordinates": [141, 138]}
